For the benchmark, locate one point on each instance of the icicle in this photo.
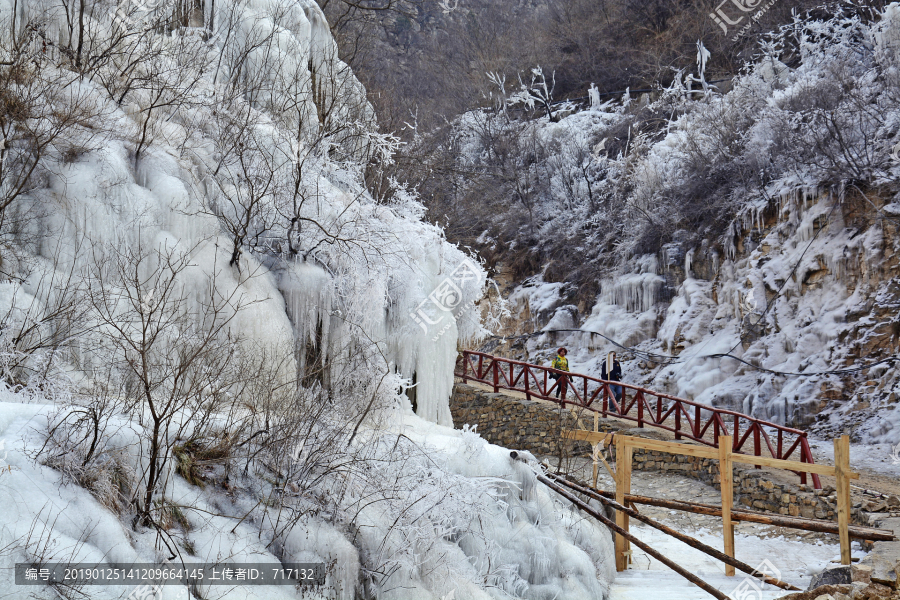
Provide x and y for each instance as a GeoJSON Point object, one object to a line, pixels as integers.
{"type": "Point", "coordinates": [636, 292]}
{"type": "Point", "coordinates": [594, 95]}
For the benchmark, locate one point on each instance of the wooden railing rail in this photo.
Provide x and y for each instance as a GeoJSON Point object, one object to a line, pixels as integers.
{"type": "Point", "coordinates": [622, 400]}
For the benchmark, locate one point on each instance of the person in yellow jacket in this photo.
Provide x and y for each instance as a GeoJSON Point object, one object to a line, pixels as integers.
{"type": "Point", "coordinates": [561, 363]}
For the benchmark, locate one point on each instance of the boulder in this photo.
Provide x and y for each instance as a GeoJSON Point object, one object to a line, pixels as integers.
{"type": "Point", "coordinates": [883, 560]}
{"type": "Point", "coordinates": [861, 573]}
{"type": "Point", "coordinates": [856, 591]}
{"type": "Point", "coordinates": [835, 576]}
{"type": "Point", "coordinates": [831, 591]}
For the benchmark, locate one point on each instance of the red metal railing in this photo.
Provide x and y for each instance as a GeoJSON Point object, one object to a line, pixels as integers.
{"type": "Point", "coordinates": [688, 419]}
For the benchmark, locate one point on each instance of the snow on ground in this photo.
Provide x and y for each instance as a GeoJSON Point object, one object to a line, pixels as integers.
{"type": "Point", "coordinates": [463, 520]}
{"type": "Point", "coordinates": [796, 555]}
{"type": "Point", "coordinates": [796, 561]}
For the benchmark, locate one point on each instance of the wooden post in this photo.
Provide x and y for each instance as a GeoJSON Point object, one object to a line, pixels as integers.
{"type": "Point", "coordinates": [596, 457]}
{"type": "Point", "coordinates": [623, 487]}
{"type": "Point", "coordinates": [678, 420]}
{"type": "Point", "coordinates": [605, 401]}
{"type": "Point", "coordinates": [726, 483]}
{"type": "Point", "coordinates": [496, 366]}
{"type": "Point", "coordinates": [841, 473]}
{"type": "Point", "coordinates": [526, 373]}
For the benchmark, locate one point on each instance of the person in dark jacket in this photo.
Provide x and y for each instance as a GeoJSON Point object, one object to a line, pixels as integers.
{"type": "Point", "coordinates": [612, 371]}
{"type": "Point", "coordinates": [561, 363]}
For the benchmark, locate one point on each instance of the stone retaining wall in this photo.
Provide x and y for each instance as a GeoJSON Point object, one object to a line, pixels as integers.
{"type": "Point", "coordinates": [514, 423]}
{"type": "Point", "coordinates": [751, 486]}
{"type": "Point", "coordinates": [535, 426]}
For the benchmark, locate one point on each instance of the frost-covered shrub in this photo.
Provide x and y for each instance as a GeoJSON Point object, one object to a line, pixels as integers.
{"type": "Point", "coordinates": [96, 450]}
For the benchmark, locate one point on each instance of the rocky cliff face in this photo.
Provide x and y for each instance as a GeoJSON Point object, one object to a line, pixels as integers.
{"type": "Point", "coordinates": [794, 320]}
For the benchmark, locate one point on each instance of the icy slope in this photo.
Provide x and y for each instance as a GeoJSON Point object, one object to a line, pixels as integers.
{"type": "Point", "coordinates": [232, 137]}
{"type": "Point", "coordinates": [208, 322]}
{"type": "Point", "coordinates": [461, 519]}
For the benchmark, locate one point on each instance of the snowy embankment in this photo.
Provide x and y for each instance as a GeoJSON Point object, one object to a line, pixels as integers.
{"type": "Point", "coordinates": [208, 322]}
{"type": "Point", "coordinates": [463, 520]}
{"type": "Point", "coordinates": [758, 223]}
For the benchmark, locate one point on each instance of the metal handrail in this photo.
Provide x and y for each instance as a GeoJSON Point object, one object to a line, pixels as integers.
{"type": "Point", "coordinates": [535, 382]}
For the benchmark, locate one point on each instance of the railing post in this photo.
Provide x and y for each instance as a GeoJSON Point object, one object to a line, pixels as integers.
{"type": "Point", "coordinates": [480, 366]}
{"type": "Point", "coordinates": [696, 422]}
{"type": "Point", "coordinates": [526, 373]}
{"type": "Point", "coordinates": [605, 400]}
{"type": "Point", "coordinates": [639, 398]}
{"type": "Point", "coordinates": [677, 420]}
{"type": "Point", "coordinates": [658, 408]}
{"type": "Point", "coordinates": [496, 369]}
{"type": "Point", "coordinates": [736, 434]}
{"type": "Point", "coordinates": [757, 442]}
{"type": "Point", "coordinates": [806, 456]}
{"type": "Point", "coordinates": [465, 365]}
{"type": "Point", "coordinates": [803, 458]}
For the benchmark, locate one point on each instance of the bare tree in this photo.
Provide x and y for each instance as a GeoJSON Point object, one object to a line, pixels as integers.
{"type": "Point", "coordinates": [46, 117]}
{"type": "Point", "coordinates": [41, 333]}
{"type": "Point", "coordinates": [243, 187]}
{"type": "Point", "coordinates": [171, 342]}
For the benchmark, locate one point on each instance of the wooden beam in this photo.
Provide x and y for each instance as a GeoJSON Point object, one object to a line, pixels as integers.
{"type": "Point", "coordinates": [789, 465]}
{"type": "Point", "coordinates": [817, 525]}
{"type": "Point", "coordinates": [712, 453]}
{"type": "Point", "coordinates": [726, 485]}
{"type": "Point", "coordinates": [671, 447]}
{"type": "Point", "coordinates": [842, 475]}
{"type": "Point", "coordinates": [692, 542]}
{"type": "Point", "coordinates": [584, 435]}
{"type": "Point", "coordinates": [608, 468]}
{"type": "Point", "coordinates": [623, 488]}
{"type": "Point", "coordinates": [597, 454]}
{"type": "Point", "coordinates": [577, 417]}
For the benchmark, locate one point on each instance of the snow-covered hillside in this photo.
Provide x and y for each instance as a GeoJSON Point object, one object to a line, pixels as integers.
{"type": "Point", "coordinates": [759, 221]}
{"type": "Point", "coordinates": [208, 322]}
